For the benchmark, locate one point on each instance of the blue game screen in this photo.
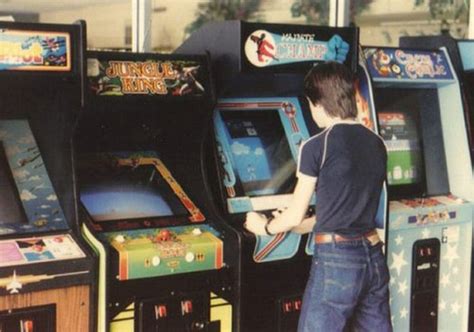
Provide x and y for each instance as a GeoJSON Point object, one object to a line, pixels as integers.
{"type": "Point", "coordinates": [260, 151]}
{"type": "Point", "coordinates": [126, 192]}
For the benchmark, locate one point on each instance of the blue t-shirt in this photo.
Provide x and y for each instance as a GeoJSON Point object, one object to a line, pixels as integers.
{"type": "Point", "coordinates": [349, 162]}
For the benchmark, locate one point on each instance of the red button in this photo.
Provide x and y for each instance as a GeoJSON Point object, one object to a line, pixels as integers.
{"type": "Point", "coordinates": [287, 307]}
{"type": "Point", "coordinates": [297, 305]}
{"type": "Point", "coordinates": [186, 307]}
{"type": "Point", "coordinates": [28, 325]}
{"type": "Point", "coordinates": [160, 311]}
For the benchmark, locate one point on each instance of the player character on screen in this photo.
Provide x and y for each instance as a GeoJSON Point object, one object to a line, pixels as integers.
{"type": "Point", "coordinates": [262, 47]}
{"type": "Point", "coordinates": [251, 172]}
{"type": "Point", "coordinates": [345, 165]}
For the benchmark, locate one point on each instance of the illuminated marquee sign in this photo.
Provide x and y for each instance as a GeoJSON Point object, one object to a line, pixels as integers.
{"type": "Point", "coordinates": [285, 48]}
{"type": "Point", "coordinates": [263, 48]}
{"type": "Point", "coordinates": [149, 77]}
{"type": "Point", "coordinates": [34, 50]}
{"type": "Point", "coordinates": [392, 63]}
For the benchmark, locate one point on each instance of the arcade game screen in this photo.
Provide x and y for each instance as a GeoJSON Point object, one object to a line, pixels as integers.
{"type": "Point", "coordinates": [11, 209]}
{"type": "Point", "coordinates": [261, 154]}
{"type": "Point", "coordinates": [398, 112]}
{"type": "Point", "coordinates": [111, 191]}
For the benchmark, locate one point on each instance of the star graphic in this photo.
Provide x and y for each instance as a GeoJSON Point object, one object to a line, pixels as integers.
{"type": "Point", "coordinates": [403, 313]}
{"type": "Point", "coordinates": [455, 308]}
{"type": "Point", "coordinates": [398, 240]}
{"type": "Point", "coordinates": [457, 287]}
{"type": "Point", "coordinates": [398, 262]}
{"type": "Point", "coordinates": [451, 254]}
{"type": "Point", "coordinates": [402, 287]}
{"type": "Point", "coordinates": [445, 280]}
{"type": "Point", "coordinates": [425, 233]}
{"type": "Point", "coordinates": [442, 305]}
{"type": "Point", "coordinates": [397, 222]}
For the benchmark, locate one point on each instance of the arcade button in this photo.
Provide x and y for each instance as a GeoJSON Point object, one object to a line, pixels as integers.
{"type": "Point", "coordinates": [120, 238]}
{"type": "Point", "coordinates": [186, 307]}
{"type": "Point", "coordinates": [287, 306]}
{"type": "Point", "coordinates": [297, 305]}
{"type": "Point", "coordinates": [155, 261]}
{"type": "Point", "coordinates": [147, 262]}
{"type": "Point", "coordinates": [161, 311]}
{"type": "Point", "coordinates": [196, 231]}
{"type": "Point", "coordinates": [27, 325]}
{"type": "Point", "coordinates": [189, 257]}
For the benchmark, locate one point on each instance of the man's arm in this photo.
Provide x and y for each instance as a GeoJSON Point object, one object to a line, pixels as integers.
{"type": "Point", "coordinates": [291, 217]}
{"type": "Point", "coordinates": [306, 226]}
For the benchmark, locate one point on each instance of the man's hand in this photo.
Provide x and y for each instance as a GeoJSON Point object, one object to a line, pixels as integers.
{"type": "Point", "coordinates": [255, 223]}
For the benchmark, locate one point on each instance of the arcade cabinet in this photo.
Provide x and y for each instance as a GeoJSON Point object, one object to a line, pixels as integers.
{"type": "Point", "coordinates": [46, 271]}
{"type": "Point", "coordinates": [461, 54]}
{"type": "Point", "coordinates": [420, 117]}
{"type": "Point", "coordinates": [260, 121]}
{"type": "Point", "coordinates": [165, 265]}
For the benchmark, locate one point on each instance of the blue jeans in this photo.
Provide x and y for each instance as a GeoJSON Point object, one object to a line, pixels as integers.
{"type": "Point", "coordinates": [347, 289]}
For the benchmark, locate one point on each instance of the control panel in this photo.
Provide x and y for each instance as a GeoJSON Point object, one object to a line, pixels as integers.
{"type": "Point", "coordinates": [145, 253]}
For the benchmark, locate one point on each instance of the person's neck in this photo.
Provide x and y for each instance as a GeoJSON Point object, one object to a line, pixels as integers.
{"type": "Point", "coordinates": [333, 121]}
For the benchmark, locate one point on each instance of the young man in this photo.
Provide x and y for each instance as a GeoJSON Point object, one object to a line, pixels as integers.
{"type": "Point", "coordinates": [346, 165]}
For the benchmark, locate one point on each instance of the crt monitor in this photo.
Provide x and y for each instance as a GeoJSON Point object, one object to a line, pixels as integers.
{"type": "Point", "coordinates": [398, 113]}
{"type": "Point", "coordinates": [257, 145]}
{"type": "Point", "coordinates": [260, 151]}
{"type": "Point", "coordinates": [11, 208]}
{"type": "Point", "coordinates": [113, 191]}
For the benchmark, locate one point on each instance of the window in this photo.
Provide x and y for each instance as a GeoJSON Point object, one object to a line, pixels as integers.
{"type": "Point", "coordinates": [173, 21]}
{"type": "Point", "coordinates": [107, 20]}
{"type": "Point", "coordinates": [382, 22]}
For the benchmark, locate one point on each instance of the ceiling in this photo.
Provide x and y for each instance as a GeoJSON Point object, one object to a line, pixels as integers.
{"type": "Point", "coordinates": [49, 5]}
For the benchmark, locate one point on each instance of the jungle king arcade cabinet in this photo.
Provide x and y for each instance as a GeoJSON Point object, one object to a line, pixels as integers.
{"type": "Point", "coordinates": [46, 272]}
{"type": "Point", "coordinates": [420, 116]}
{"type": "Point", "coordinates": [138, 148]}
{"type": "Point", "coordinates": [260, 121]}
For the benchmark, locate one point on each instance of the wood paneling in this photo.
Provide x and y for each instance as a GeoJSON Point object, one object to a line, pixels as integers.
{"type": "Point", "coordinates": [72, 306]}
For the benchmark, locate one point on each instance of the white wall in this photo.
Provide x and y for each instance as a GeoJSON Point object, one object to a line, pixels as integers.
{"type": "Point", "coordinates": [105, 23]}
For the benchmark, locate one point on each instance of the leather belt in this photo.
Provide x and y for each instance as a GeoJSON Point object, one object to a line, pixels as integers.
{"type": "Point", "coordinates": [321, 238]}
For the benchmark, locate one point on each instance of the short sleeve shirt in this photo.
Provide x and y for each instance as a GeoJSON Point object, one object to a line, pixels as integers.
{"type": "Point", "coordinates": [349, 162]}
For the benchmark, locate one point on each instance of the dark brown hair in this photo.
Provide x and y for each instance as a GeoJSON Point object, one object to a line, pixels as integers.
{"type": "Point", "coordinates": [331, 85]}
